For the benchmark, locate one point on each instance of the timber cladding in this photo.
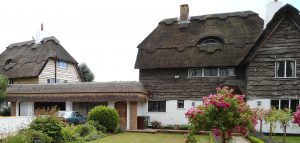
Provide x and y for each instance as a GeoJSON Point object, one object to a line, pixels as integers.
{"type": "Point", "coordinates": [161, 84]}
{"type": "Point", "coordinates": [282, 45]}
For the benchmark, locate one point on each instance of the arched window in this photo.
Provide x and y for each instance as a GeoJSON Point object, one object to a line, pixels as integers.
{"type": "Point", "coordinates": [210, 41]}
{"type": "Point", "coordinates": [9, 61]}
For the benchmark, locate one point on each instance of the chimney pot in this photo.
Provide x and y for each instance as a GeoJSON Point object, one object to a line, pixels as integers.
{"type": "Point", "coordinates": [42, 27]}
{"type": "Point", "coordinates": [184, 12]}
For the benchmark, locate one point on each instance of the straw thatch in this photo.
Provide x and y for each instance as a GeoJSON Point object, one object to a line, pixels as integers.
{"type": "Point", "coordinates": [27, 59]}
{"type": "Point", "coordinates": [169, 46]}
{"type": "Point", "coordinates": [78, 92]}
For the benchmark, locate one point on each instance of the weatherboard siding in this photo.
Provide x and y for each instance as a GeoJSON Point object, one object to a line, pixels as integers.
{"type": "Point", "coordinates": [70, 73]}
{"type": "Point", "coordinates": [283, 44]}
{"type": "Point", "coordinates": [161, 84]}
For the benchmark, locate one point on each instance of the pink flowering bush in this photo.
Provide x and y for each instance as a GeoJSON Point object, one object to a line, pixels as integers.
{"type": "Point", "coordinates": [222, 113]}
{"type": "Point", "coordinates": [296, 116]}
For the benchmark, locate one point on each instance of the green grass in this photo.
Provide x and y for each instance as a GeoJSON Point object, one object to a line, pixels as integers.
{"type": "Point", "coordinates": [289, 139]}
{"type": "Point", "coordinates": [129, 137]}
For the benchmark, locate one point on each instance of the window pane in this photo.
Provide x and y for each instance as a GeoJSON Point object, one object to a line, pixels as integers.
{"type": "Point", "coordinates": [294, 105]}
{"type": "Point", "coordinates": [180, 103]}
{"type": "Point", "coordinates": [157, 106]}
{"type": "Point", "coordinates": [230, 71]}
{"type": "Point", "coordinates": [280, 69]}
{"type": "Point", "coordinates": [214, 72]}
{"type": "Point", "coordinates": [223, 71]}
{"type": "Point", "coordinates": [290, 69]}
{"type": "Point", "coordinates": [275, 103]}
{"type": "Point", "coordinates": [195, 72]}
{"type": "Point", "coordinates": [284, 104]}
{"type": "Point", "coordinates": [206, 71]}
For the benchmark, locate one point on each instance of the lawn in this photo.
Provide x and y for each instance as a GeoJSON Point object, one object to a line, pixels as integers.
{"type": "Point", "coordinates": [129, 137]}
{"type": "Point", "coordinates": [289, 139]}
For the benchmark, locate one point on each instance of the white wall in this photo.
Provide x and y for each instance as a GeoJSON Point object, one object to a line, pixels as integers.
{"type": "Point", "coordinates": [173, 115]}
{"type": "Point", "coordinates": [70, 73]}
{"type": "Point", "coordinates": [10, 125]}
{"type": "Point", "coordinates": [265, 103]}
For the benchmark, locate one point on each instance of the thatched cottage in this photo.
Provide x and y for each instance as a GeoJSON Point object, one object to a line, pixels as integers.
{"type": "Point", "coordinates": [43, 74]}
{"type": "Point", "coordinates": [186, 58]}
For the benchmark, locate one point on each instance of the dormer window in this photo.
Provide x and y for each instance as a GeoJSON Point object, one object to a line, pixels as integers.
{"type": "Point", "coordinates": [9, 64]}
{"type": "Point", "coordinates": [61, 64]}
{"type": "Point", "coordinates": [210, 44]}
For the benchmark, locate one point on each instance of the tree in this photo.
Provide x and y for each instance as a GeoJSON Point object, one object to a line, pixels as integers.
{"type": "Point", "coordinates": [3, 85]}
{"type": "Point", "coordinates": [222, 113]}
{"type": "Point", "coordinates": [87, 74]}
{"type": "Point", "coordinates": [284, 117]}
{"type": "Point", "coordinates": [260, 115]}
{"type": "Point", "coordinates": [271, 118]}
{"type": "Point", "coordinates": [296, 116]}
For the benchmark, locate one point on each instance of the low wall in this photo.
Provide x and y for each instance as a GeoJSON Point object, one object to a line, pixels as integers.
{"type": "Point", "coordinates": [11, 125]}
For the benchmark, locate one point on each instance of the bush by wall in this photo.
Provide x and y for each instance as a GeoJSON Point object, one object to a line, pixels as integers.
{"type": "Point", "coordinates": [49, 125]}
{"type": "Point", "coordinates": [98, 126]}
{"type": "Point", "coordinates": [5, 112]}
{"type": "Point", "coordinates": [19, 138]}
{"type": "Point", "coordinates": [105, 116]}
{"type": "Point", "coordinates": [70, 136]}
{"type": "Point", "coordinates": [87, 132]}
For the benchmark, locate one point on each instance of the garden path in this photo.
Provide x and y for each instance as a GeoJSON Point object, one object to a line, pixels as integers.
{"type": "Point", "coordinates": [239, 139]}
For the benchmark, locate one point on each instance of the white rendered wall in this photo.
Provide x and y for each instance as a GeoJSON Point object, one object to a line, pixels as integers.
{"type": "Point", "coordinates": [11, 125]}
{"type": "Point", "coordinates": [266, 104]}
{"type": "Point", "coordinates": [172, 116]}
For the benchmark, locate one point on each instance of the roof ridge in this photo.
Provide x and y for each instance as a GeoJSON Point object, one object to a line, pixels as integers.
{"type": "Point", "coordinates": [30, 42]}
{"type": "Point", "coordinates": [213, 16]}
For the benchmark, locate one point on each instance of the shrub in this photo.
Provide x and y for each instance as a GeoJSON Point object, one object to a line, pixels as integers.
{"type": "Point", "coordinates": [19, 138]}
{"type": "Point", "coordinates": [118, 130]}
{"type": "Point", "coordinates": [69, 135]}
{"type": "Point", "coordinates": [156, 124]}
{"type": "Point", "coordinates": [184, 127]}
{"type": "Point", "coordinates": [105, 116]}
{"type": "Point", "coordinates": [98, 126]}
{"type": "Point", "coordinates": [46, 111]}
{"type": "Point", "coordinates": [168, 127]}
{"type": "Point", "coordinates": [49, 125]}
{"type": "Point", "coordinates": [87, 132]}
{"type": "Point", "coordinates": [36, 136]}
{"type": "Point", "coordinates": [254, 139]}
{"type": "Point", "coordinates": [5, 112]}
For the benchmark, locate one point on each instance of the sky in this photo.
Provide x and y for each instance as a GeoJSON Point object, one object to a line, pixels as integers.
{"type": "Point", "coordinates": [105, 33]}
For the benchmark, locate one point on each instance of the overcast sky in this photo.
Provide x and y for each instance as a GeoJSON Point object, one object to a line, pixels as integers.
{"type": "Point", "coordinates": [105, 34]}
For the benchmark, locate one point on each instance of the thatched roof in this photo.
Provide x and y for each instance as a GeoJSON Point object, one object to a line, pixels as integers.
{"type": "Point", "coordinates": [169, 46]}
{"type": "Point", "coordinates": [285, 11]}
{"type": "Point", "coordinates": [78, 92]}
{"type": "Point", "coordinates": [27, 59]}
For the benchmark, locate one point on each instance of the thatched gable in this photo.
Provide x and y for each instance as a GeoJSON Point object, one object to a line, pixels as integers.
{"type": "Point", "coordinates": [77, 92]}
{"type": "Point", "coordinates": [169, 46]}
{"type": "Point", "coordinates": [27, 59]}
{"type": "Point", "coordinates": [287, 11]}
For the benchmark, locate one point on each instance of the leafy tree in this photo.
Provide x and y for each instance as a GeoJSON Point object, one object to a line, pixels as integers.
{"type": "Point", "coordinates": [284, 117]}
{"type": "Point", "coordinates": [271, 118]}
{"type": "Point", "coordinates": [260, 115]}
{"type": "Point", "coordinates": [3, 85]}
{"type": "Point", "coordinates": [87, 74]}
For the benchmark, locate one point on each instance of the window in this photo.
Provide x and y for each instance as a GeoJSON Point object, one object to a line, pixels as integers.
{"type": "Point", "coordinates": [193, 104]}
{"type": "Point", "coordinates": [289, 104]}
{"type": "Point", "coordinates": [156, 106]}
{"type": "Point", "coordinates": [50, 80]}
{"type": "Point", "coordinates": [11, 81]}
{"type": "Point", "coordinates": [61, 64]}
{"type": "Point", "coordinates": [258, 103]}
{"type": "Point", "coordinates": [180, 103]}
{"type": "Point", "coordinates": [211, 41]}
{"type": "Point", "coordinates": [211, 71]}
{"type": "Point", "coordinates": [285, 69]}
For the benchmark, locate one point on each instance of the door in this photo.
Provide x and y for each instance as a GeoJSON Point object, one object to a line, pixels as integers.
{"type": "Point", "coordinates": [121, 107]}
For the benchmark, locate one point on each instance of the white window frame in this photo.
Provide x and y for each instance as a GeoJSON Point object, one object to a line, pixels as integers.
{"type": "Point", "coordinates": [295, 69]}
{"type": "Point", "coordinates": [279, 104]}
{"type": "Point", "coordinates": [218, 72]}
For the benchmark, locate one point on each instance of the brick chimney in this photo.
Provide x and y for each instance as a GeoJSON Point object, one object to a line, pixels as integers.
{"type": "Point", "coordinates": [183, 20]}
{"type": "Point", "coordinates": [184, 12]}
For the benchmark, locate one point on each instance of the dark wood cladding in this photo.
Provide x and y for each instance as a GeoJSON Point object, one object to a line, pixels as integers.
{"type": "Point", "coordinates": [161, 84]}
{"type": "Point", "coordinates": [283, 44]}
